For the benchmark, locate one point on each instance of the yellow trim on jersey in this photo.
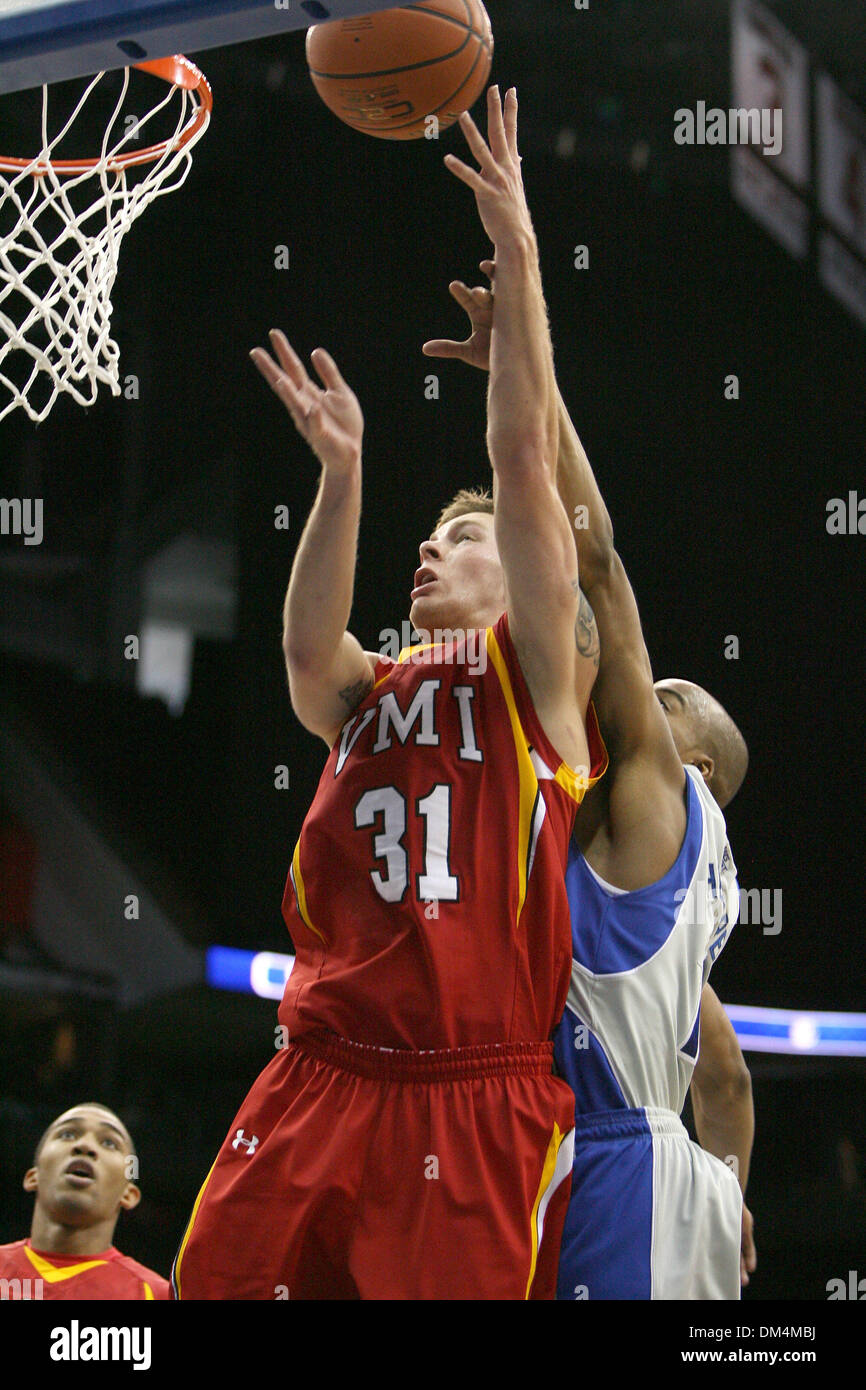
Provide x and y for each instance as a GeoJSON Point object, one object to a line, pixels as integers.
{"type": "Point", "coordinates": [574, 782]}
{"type": "Point", "coordinates": [188, 1232]}
{"type": "Point", "coordinates": [54, 1275]}
{"type": "Point", "coordinates": [382, 678]}
{"type": "Point", "coordinates": [420, 647]}
{"type": "Point", "coordinates": [526, 772]}
{"type": "Point", "coordinates": [585, 783]}
{"type": "Point", "coordinates": [547, 1173]}
{"type": "Point", "coordinates": [402, 657]}
{"type": "Point", "coordinates": [148, 1293]}
{"type": "Point", "coordinates": [301, 894]}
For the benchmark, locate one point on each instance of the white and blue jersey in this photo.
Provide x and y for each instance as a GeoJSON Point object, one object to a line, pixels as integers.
{"type": "Point", "coordinates": [652, 1215]}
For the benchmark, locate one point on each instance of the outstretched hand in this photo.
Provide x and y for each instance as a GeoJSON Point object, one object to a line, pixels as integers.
{"type": "Point", "coordinates": [328, 417]}
{"type": "Point", "coordinates": [498, 184]}
{"type": "Point", "coordinates": [478, 304]}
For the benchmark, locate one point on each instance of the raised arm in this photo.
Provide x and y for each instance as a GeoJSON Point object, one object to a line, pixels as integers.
{"type": "Point", "coordinates": [532, 531]}
{"type": "Point", "coordinates": [724, 1113]}
{"type": "Point", "coordinates": [643, 788]}
{"type": "Point", "coordinates": [329, 673]}
{"type": "Point", "coordinates": [624, 697]}
{"type": "Point", "coordinates": [573, 472]}
{"type": "Point", "coordinates": [475, 351]}
{"type": "Point", "coordinates": [634, 830]}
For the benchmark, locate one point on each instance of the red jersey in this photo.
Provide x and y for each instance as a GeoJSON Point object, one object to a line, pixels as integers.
{"type": "Point", "coordinates": [26, 1273]}
{"type": "Point", "coordinates": [426, 898]}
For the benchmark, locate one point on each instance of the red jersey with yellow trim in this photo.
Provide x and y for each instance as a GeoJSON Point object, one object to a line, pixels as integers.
{"type": "Point", "coordinates": [426, 898]}
{"type": "Point", "coordinates": [26, 1273]}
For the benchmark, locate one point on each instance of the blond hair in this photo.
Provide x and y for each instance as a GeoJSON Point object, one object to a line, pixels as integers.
{"type": "Point", "coordinates": [468, 499]}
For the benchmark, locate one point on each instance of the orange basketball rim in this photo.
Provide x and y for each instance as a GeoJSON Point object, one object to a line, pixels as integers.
{"type": "Point", "coordinates": [178, 71]}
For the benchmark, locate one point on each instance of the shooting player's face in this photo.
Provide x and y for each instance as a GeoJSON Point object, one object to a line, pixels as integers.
{"type": "Point", "coordinates": [459, 582]}
{"type": "Point", "coordinates": [81, 1174]}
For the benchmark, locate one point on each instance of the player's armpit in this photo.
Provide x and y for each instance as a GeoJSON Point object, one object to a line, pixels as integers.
{"type": "Point", "coordinates": [587, 650]}
{"type": "Point", "coordinates": [586, 632]}
{"type": "Point", "coordinates": [324, 701]}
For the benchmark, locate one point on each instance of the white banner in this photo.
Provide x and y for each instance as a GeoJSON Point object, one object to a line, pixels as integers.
{"type": "Point", "coordinates": [841, 163]}
{"type": "Point", "coordinates": [770, 74]}
{"type": "Point", "coordinates": [770, 201]}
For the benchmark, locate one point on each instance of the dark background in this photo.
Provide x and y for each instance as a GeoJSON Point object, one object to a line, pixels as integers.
{"type": "Point", "coordinates": [719, 508]}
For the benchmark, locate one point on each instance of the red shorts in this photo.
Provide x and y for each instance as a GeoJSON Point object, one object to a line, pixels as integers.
{"type": "Point", "coordinates": [358, 1172]}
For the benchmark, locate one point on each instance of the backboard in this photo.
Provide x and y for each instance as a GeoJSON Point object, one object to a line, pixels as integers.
{"type": "Point", "coordinates": [44, 41]}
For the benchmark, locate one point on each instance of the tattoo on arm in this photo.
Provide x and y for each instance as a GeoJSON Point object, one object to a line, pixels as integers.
{"type": "Point", "coordinates": [586, 632]}
{"type": "Point", "coordinates": [352, 695]}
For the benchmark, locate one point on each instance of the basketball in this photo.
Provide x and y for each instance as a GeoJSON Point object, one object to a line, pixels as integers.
{"type": "Point", "coordinates": [389, 73]}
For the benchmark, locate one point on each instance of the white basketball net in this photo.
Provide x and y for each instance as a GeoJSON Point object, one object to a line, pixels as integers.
{"type": "Point", "coordinates": [59, 260]}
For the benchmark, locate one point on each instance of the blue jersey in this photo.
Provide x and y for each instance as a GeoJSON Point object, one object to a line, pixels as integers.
{"type": "Point", "coordinates": [651, 1215]}
{"type": "Point", "coordinates": [629, 1036]}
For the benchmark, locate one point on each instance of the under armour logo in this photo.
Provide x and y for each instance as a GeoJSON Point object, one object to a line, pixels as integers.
{"type": "Point", "coordinates": [249, 1144]}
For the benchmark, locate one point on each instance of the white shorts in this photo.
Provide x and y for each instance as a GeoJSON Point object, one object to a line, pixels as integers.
{"type": "Point", "coordinates": [651, 1216]}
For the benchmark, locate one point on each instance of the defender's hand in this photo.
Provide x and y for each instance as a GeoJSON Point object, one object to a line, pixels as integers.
{"type": "Point", "coordinates": [478, 304]}
{"type": "Point", "coordinates": [329, 419]}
